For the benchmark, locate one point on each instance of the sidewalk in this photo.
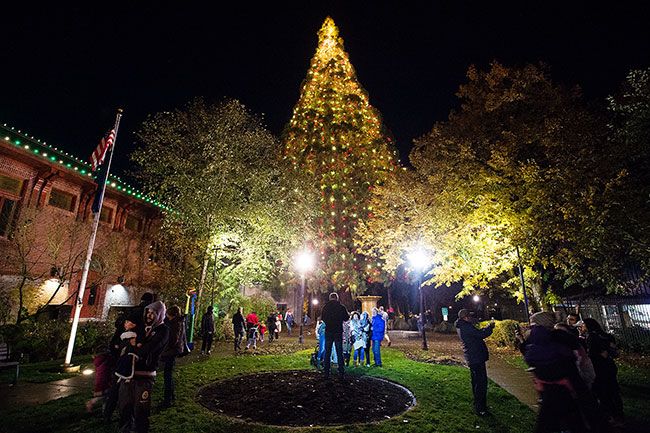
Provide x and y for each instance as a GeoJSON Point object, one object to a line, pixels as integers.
{"type": "Point", "coordinates": [39, 393]}
{"type": "Point", "coordinates": [514, 380]}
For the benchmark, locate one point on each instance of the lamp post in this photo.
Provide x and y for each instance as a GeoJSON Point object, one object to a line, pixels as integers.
{"type": "Point", "coordinates": [304, 263]}
{"type": "Point", "coordinates": [419, 261]}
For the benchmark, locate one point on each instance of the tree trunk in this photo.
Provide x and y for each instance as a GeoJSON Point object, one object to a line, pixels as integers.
{"type": "Point", "coordinates": [19, 316]}
{"type": "Point", "coordinates": [199, 294]}
{"type": "Point", "coordinates": [390, 300]}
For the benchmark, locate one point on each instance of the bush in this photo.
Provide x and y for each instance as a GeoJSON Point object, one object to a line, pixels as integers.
{"type": "Point", "coordinates": [504, 333]}
{"type": "Point", "coordinates": [223, 328]}
{"type": "Point", "coordinates": [46, 340]}
{"type": "Point", "coordinates": [444, 328]}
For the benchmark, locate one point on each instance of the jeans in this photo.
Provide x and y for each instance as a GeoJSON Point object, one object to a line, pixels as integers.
{"type": "Point", "coordinates": [206, 344]}
{"type": "Point", "coordinates": [169, 395]}
{"type": "Point", "coordinates": [289, 326]}
{"type": "Point", "coordinates": [376, 351]}
{"type": "Point", "coordinates": [135, 404]}
{"type": "Point", "coordinates": [358, 354]}
{"type": "Point", "coordinates": [479, 386]}
{"type": "Point", "coordinates": [337, 341]}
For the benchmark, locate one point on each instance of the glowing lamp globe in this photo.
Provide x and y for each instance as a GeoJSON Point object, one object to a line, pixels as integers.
{"type": "Point", "coordinates": [476, 298]}
{"type": "Point", "coordinates": [305, 261]}
{"type": "Point", "coordinates": [419, 259]}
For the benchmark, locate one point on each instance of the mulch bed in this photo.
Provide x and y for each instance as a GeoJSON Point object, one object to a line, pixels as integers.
{"type": "Point", "coordinates": [306, 398]}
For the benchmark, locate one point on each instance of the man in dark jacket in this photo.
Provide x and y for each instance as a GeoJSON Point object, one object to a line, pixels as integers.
{"type": "Point", "coordinates": [476, 354]}
{"type": "Point", "coordinates": [238, 326]}
{"type": "Point", "coordinates": [135, 394]}
{"type": "Point", "coordinates": [207, 331]}
{"type": "Point", "coordinates": [175, 346]}
{"type": "Point", "coordinates": [334, 314]}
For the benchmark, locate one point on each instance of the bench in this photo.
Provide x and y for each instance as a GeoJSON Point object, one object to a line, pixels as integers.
{"type": "Point", "coordinates": [5, 361]}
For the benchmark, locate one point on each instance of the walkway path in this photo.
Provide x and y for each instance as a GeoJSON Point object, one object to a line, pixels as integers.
{"type": "Point", "coordinates": [39, 393]}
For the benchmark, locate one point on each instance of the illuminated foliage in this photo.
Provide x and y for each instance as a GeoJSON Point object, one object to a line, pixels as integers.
{"type": "Point", "coordinates": [336, 137]}
{"type": "Point", "coordinates": [522, 163]}
{"type": "Point", "coordinates": [222, 173]}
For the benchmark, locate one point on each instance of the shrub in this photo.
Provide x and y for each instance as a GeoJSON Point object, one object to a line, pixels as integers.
{"type": "Point", "coordinates": [46, 340]}
{"type": "Point", "coordinates": [223, 328]}
{"type": "Point", "coordinates": [504, 333]}
{"type": "Point", "coordinates": [444, 328]}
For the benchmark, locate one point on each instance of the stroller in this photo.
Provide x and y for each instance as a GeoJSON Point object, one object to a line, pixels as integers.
{"type": "Point", "coordinates": [252, 333]}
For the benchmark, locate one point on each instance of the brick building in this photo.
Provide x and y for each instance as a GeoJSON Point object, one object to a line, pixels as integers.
{"type": "Point", "coordinates": [45, 218]}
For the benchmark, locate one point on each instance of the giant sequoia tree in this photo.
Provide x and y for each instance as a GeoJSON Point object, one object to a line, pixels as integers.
{"type": "Point", "coordinates": [337, 138]}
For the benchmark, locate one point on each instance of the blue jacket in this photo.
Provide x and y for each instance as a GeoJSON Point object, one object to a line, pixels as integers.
{"type": "Point", "coordinates": [378, 327]}
{"type": "Point", "coordinates": [474, 347]}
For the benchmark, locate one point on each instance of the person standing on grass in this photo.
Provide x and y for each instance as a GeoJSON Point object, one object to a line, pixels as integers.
{"type": "Point", "coordinates": [134, 400]}
{"type": "Point", "coordinates": [207, 331]}
{"type": "Point", "coordinates": [476, 354]}
{"type": "Point", "coordinates": [238, 327]}
{"type": "Point", "coordinates": [384, 315]}
{"type": "Point", "coordinates": [378, 332]}
{"type": "Point", "coordinates": [104, 363]}
{"type": "Point", "coordinates": [175, 346]}
{"type": "Point", "coordinates": [278, 324]}
{"type": "Point", "coordinates": [289, 320]}
{"type": "Point", "coordinates": [366, 326]}
{"type": "Point", "coordinates": [270, 326]}
{"type": "Point", "coordinates": [334, 314]}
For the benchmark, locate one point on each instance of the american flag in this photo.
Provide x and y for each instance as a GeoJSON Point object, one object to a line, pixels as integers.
{"type": "Point", "coordinates": [97, 158]}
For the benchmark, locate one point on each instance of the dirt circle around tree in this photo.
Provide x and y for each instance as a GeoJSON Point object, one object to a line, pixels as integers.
{"type": "Point", "coordinates": [301, 398]}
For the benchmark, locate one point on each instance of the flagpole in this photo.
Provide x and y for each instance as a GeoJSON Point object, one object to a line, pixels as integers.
{"type": "Point", "coordinates": [89, 252]}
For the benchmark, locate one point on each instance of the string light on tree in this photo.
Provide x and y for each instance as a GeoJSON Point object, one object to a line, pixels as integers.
{"type": "Point", "coordinates": [336, 136]}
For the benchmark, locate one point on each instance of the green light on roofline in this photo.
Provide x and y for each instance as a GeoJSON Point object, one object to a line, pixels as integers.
{"type": "Point", "coordinates": [35, 150]}
{"type": "Point", "coordinates": [18, 142]}
{"type": "Point", "coordinates": [68, 165]}
{"type": "Point", "coordinates": [83, 171]}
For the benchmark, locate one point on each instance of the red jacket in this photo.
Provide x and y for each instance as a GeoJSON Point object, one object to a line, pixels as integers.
{"type": "Point", "coordinates": [252, 319]}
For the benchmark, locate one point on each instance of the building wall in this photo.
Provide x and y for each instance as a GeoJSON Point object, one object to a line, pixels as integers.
{"type": "Point", "coordinates": [48, 243]}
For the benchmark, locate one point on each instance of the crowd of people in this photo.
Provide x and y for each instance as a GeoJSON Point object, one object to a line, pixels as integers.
{"type": "Point", "coordinates": [572, 361]}
{"type": "Point", "coordinates": [573, 367]}
{"type": "Point", "coordinates": [575, 373]}
{"type": "Point", "coordinates": [343, 336]}
{"type": "Point", "coordinates": [125, 368]}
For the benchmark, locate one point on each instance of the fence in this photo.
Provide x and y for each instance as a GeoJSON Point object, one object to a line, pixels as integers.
{"type": "Point", "coordinates": [628, 318]}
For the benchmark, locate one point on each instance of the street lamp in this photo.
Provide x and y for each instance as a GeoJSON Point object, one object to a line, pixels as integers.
{"type": "Point", "coordinates": [304, 262]}
{"type": "Point", "coordinates": [479, 307]}
{"type": "Point", "coordinates": [419, 260]}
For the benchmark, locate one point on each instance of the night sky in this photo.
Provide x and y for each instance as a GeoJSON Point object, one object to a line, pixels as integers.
{"type": "Point", "coordinates": [66, 70]}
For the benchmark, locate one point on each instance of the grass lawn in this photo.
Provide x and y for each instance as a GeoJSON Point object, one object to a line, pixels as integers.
{"type": "Point", "coordinates": [40, 372]}
{"type": "Point", "coordinates": [442, 392]}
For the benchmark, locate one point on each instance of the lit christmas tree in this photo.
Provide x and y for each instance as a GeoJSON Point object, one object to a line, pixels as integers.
{"type": "Point", "coordinates": [338, 137]}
